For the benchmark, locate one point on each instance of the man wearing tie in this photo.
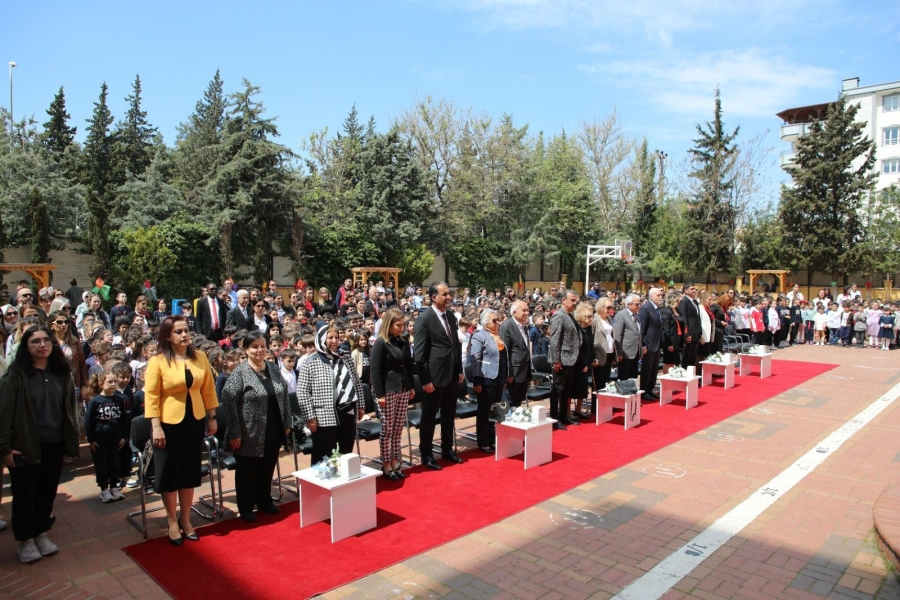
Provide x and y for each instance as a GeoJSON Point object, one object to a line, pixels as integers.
{"type": "Point", "coordinates": [689, 310]}
{"type": "Point", "coordinates": [211, 315]}
{"type": "Point", "coordinates": [627, 335]}
{"type": "Point", "coordinates": [651, 338]}
{"type": "Point", "coordinates": [562, 352]}
{"type": "Point", "coordinates": [515, 338]}
{"type": "Point", "coordinates": [240, 316]}
{"type": "Point", "coordinates": [438, 356]}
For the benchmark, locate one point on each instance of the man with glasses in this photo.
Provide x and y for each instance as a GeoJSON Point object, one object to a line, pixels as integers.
{"type": "Point", "coordinates": [565, 345]}
{"type": "Point", "coordinates": [239, 316]}
{"type": "Point", "coordinates": [627, 336]}
{"type": "Point", "coordinates": [689, 310]}
{"type": "Point", "coordinates": [514, 333]}
{"type": "Point", "coordinates": [651, 339]}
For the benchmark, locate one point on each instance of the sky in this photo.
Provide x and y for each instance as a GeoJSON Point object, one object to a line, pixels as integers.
{"type": "Point", "coordinates": [551, 64]}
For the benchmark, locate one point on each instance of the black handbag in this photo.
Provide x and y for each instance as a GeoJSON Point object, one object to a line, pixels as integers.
{"type": "Point", "coordinates": [627, 387]}
{"type": "Point", "coordinates": [498, 412]}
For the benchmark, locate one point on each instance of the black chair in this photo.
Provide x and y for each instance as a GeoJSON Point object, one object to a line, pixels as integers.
{"type": "Point", "coordinates": [414, 416]}
{"type": "Point", "coordinates": [141, 432]}
{"type": "Point", "coordinates": [369, 430]}
{"type": "Point", "coordinates": [223, 459]}
{"type": "Point", "coordinates": [466, 404]}
{"type": "Point", "coordinates": [542, 373]}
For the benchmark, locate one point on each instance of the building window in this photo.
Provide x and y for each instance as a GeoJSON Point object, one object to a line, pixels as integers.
{"type": "Point", "coordinates": [892, 136]}
{"type": "Point", "coordinates": [892, 103]}
{"type": "Point", "coordinates": [891, 166]}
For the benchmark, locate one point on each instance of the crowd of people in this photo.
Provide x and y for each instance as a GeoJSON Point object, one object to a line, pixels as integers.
{"type": "Point", "coordinates": [272, 363]}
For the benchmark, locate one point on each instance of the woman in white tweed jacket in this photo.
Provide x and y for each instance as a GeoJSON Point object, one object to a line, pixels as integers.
{"type": "Point", "coordinates": [257, 418]}
{"type": "Point", "coordinates": [330, 396]}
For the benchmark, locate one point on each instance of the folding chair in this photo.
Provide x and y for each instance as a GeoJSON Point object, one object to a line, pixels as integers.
{"type": "Point", "coordinates": [369, 430]}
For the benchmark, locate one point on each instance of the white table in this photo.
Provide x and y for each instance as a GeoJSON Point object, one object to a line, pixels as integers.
{"type": "Point", "coordinates": [763, 361]}
{"type": "Point", "coordinates": [688, 385]}
{"type": "Point", "coordinates": [631, 404]}
{"type": "Point", "coordinates": [711, 367]}
{"type": "Point", "coordinates": [537, 439]}
{"type": "Point", "coordinates": [349, 504]}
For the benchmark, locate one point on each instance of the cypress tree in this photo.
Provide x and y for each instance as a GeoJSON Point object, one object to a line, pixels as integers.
{"type": "Point", "coordinates": [58, 136]}
{"type": "Point", "coordinates": [40, 227]}
{"type": "Point", "coordinates": [134, 137]}
{"type": "Point", "coordinates": [98, 180]}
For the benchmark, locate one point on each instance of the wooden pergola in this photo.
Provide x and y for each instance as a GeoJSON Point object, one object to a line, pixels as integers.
{"type": "Point", "coordinates": [40, 272]}
{"type": "Point", "coordinates": [780, 273]}
{"type": "Point", "coordinates": [389, 274]}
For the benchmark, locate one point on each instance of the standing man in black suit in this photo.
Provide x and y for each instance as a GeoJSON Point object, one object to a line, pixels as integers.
{"type": "Point", "coordinates": [563, 351]}
{"type": "Point", "coordinates": [211, 314]}
{"type": "Point", "coordinates": [514, 334]}
{"type": "Point", "coordinates": [241, 316]}
{"type": "Point", "coordinates": [689, 310]}
{"type": "Point", "coordinates": [651, 338]}
{"type": "Point", "coordinates": [438, 356]}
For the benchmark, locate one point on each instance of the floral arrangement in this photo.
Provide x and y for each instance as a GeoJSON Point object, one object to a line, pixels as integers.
{"type": "Point", "coordinates": [327, 468]}
{"type": "Point", "coordinates": [757, 349]}
{"type": "Point", "coordinates": [611, 388]}
{"type": "Point", "coordinates": [677, 373]}
{"type": "Point", "coordinates": [520, 414]}
{"type": "Point", "coordinates": [717, 357]}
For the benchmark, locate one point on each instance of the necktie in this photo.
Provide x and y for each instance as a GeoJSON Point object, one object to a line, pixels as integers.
{"type": "Point", "coordinates": [446, 325]}
{"type": "Point", "coordinates": [636, 324]}
{"type": "Point", "coordinates": [213, 309]}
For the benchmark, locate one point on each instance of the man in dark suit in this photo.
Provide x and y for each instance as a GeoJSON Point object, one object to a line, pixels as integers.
{"type": "Point", "coordinates": [241, 315]}
{"type": "Point", "coordinates": [211, 314]}
{"type": "Point", "coordinates": [627, 335]}
{"type": "Point", "coordinates": [689, 310]}
{"type": "Point", "coordinates": [438, 355]}
{"type": "Point", "coordinates": [562, 352]}
{"type": "Point", "coordinates": [514, 334]}
{"type": "Point", "coordinates": [651, 338]}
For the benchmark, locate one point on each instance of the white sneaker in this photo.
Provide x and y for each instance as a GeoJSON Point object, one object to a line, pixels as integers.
{"type": "Point", "coordinates": [115, 494]}
{"type": "Point", "coordinates": [105, 496]}
{"type": "Point", "coordinates": [45, 546]}
{"type": "Point", "coordinates": [131, 483]}
{"type": "Point", "coordinates": [28, 551]}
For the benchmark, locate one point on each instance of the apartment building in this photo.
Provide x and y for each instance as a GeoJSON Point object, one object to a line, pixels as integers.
{"type": "Point", "coordinates": [879, 108]}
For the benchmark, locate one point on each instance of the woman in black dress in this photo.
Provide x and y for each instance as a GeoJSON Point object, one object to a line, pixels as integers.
{"type": "Point", "coordinates": [672, 330]}
{"type": "Point", "coordinates": [584, 316]}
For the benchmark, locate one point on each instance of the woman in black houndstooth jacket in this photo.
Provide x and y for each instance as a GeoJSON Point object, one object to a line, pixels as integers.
{"type": "Point", "coordinates": [258, 416]}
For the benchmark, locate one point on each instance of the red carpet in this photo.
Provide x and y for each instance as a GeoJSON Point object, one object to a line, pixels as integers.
{"type": "Point", "coordinates": [274, 558]}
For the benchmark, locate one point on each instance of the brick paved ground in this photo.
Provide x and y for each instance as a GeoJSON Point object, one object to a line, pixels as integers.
{"type": "Point", "coordinates": [815, 542]}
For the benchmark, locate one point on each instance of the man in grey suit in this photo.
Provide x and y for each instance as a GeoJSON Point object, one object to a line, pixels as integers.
{"type": "Point", "coordinates": [514, 334]}
{"type": "Point", "coordinates": [565, 344]}
{"type": "Point", "coordinates": [651, 337]}
{"type": "Point", "coordinates": [627, 335]}
{"type": "Point", "coordinates": [240, 316]}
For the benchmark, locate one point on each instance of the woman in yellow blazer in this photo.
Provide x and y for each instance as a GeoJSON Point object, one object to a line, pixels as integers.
{"type": "Point", "coordinates": [180, 401]}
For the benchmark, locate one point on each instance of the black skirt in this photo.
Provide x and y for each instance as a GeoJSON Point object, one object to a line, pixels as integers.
{"type": "Point", "coordinates": [178, 464]}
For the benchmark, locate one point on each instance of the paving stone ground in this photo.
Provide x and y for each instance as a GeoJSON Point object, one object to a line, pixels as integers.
{"type": "Point", "coordinates": [815, 542]}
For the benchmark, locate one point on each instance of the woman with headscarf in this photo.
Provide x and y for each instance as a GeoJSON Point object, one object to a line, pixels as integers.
{"type": "Point", "coordinates": [330, 396]}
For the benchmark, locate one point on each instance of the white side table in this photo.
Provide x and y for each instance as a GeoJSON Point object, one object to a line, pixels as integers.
{"type": "Point", "coordinates": [710, 368]}
{"type": "Point", "coordinates": [688, 385]}
{"type": "Point", "coordinates": [763, 361]}
{"type": "Point", "coordinates": [537, 439]}
{"type": "Point", "coordinates": [607, 401]}
{"type": "Point", "coordinates": [349, 504]}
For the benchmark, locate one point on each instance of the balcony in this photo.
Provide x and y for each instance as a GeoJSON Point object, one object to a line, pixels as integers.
{"type": "Point", "coordinates": [788, 160]}
{"type": "Point", "coordinates": [792, 133]}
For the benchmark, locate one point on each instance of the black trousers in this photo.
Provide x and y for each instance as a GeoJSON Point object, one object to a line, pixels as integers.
{"type": "Point", "coordinates": [340, 436]}
{"type": "Point", "coordinates": [253, 480]}
{"type": "Point", "coordinates": [484, 428]}
{"type": "Point", "coordinates": [628, 367]}
{"type": "Point", "coordinates": [649, 371]}
{"type": "Point", "coordinates": [689, 354]}
{"type": "Point", "coordinates": [107, 458]}
{"type": "Point", "coordinates": [443, 399]}
{"type": "Point", "coordinates": [34, 490]}
{"type": "Point", "coordinates": [560, 391]}
{"type": "Point", "coordinates": [516, 391]}
{"type": "Point", "coordinates": [600, 377]}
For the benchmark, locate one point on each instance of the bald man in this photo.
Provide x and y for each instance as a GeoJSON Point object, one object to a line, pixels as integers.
{"type": "Point", "coordinates": [651, 339]}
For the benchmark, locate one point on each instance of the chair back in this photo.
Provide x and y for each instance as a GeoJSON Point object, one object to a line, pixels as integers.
{"type": "Point", "coordinates": [420, 393]}
{"type": "Point", "coordinates": [541, 363]}
{"type": "Point", "coordinates": [141, 431]}
{"type": "Point", "coordinates": [369, 399]}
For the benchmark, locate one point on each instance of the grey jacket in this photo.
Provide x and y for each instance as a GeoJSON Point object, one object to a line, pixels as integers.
{"type": "Point", "coordinates": [565, 339]}
{"type": "Point", "coordinates": [626, 334]}
{"type": "Point", "coordinates": [600, 353]}
{"type": "Point", "coordinates": [245, 401]}
{"type": "Point", "coordinates": [484, 356]}
{"type": "Point", "coordinates": [519, 355]}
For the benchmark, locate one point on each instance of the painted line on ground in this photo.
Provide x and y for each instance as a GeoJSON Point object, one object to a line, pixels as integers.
{"type": "Point", "coordinates": [672, 569]}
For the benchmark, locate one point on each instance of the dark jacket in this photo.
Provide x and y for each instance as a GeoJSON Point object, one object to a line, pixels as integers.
{"type": "Point", "coordinates": [720, 316]}
{"type": "Point", "coordinates": [392, 366]}
{"type": "Point", "coordinates": [246, 404]}
{"type": "Point", "coordinates": [670, 323]}
{"type": "Point", "coordinates": [18, 423]}
{"type": "Point", "coordinates": [438, 357]}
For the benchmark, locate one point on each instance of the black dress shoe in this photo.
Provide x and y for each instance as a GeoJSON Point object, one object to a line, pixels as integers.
{"type": "Point", "coordinates": [191, 537]}
{"type": "Point", "coordinates": [579, 415]}
{"type": "Point", "coordinates": [429, 462]}
{"type": "Point", "coordinates": [248, 516]}
{"type": "Point", "coordinates": [452, 457]}
{"type": "Point", "coordinates": [649, 398]}
{"type": "Point", "coordinates": [177, 541]}
{"type": "Point", "coordinates": [400, 474]}
{"type": "Point", "coordinates": [559, 425]}
{"type": "Point", "coordinates": [571, 422]}
{"type": "Point", "coordinates": [486, 449]}
{"type": "Point", "coordinates": [390, 475]}
{"type": "Point", "coordinates": [268, 508]}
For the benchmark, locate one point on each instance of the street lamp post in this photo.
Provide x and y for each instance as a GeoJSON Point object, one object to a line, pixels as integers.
{"type": "Point", "coordinates": [12, 65]}
{"type": "Point", "coordinates": [662, 157]}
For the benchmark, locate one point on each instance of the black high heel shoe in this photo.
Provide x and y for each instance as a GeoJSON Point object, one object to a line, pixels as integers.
{"type": "Point", "coordinates": [191, 537]}
{"type": "Point", "coordinates": [391, 475]}
{"type": "Point", "coordinates": [400, 474]}
{"type": "Point", "coordinates": [175, 541]}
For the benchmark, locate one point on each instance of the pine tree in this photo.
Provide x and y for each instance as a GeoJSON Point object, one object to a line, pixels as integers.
{"type": "Point", "coordinates": [647, 201]}
{"type": "Point", "coordinates": [711, 216]}
{"type": "Point", "coordinates": [58, 136]}
{"type": "Point", "coordinates": [199, 139]}
{"type": "Point", "coordinates": [98, 179]}
{"type": "Point", "coordinates": [40, 227]}
{"type": "Point", "coordinates": [134, 137]}
{"type": "Point", "coordinates": [820, 213]}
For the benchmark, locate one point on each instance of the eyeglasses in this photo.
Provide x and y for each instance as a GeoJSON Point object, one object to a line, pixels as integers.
{"type": "Point", "coordinates": [41, 342]}
{"type": "Point", "coordinates": [11, 314]}
{"type": "Point", "coordinates": [60, 323]}
{"type": "Point", "coordinates": [495, 320]}
{"type": "Point", "coordinates": [27, 295]}
{"type": "Point", "coordinates": [31, 320]}
{"type": "Point", "coordinates": [67, 307]}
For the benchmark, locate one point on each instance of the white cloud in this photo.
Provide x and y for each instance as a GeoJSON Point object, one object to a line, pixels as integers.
{"type": "Point", "coordinates": [752, 82]}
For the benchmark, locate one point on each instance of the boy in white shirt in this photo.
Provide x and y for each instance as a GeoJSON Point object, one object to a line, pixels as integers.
{"type": "Point", "coordinates": [820, 323]}
{"type": "Point", "coordinates": [834, 323]}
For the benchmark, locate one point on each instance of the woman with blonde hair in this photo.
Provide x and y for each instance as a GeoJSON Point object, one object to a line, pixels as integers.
{"type": "Point", "coordinates": [584, 316]}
